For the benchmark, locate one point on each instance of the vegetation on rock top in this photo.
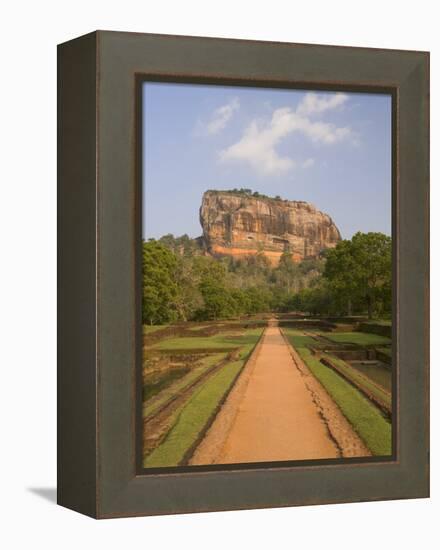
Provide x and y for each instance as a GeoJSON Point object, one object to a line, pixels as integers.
{"type": "Point", "coordinates": [245, 192]}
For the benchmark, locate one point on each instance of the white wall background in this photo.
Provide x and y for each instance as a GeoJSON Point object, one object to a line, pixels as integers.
{"type": "Point", "coordinates": [29, 33]}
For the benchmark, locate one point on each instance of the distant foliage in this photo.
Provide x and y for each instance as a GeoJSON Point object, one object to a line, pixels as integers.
{"type": "Point", "coordinates": [183, 245]}
{"type": "Point", "coordinates": [182, 284]}
{"type": "Point", "coordinates": [357, 279]}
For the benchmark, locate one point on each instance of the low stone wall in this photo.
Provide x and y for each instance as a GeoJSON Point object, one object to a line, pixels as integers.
{"type": "Point", "coordinates": [373, 328]}
{"type": "Point", "coordinates": [208, 328]}
{"type": "Point", "coordinates": [384, 358]}
{"type": "Point", "coordinates": [306, 324]}
{"type": "Point", "coordinates": [356, 355]}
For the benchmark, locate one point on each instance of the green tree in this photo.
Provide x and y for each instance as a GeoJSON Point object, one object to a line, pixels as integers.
{"type": "Point", "coordinates": [258, 299]}
{"type": "Point", "coordinates": [287, 272]}
{"type": "Point", "coordinates": [218, 302]}
{"type": "Point", "coordinates": [360, 270]}
{"type": "Point", "coordinates": [159, 286]}
{"type": "Point", "coordinates": [188, 298]}
{"type": "Point", "coordinates": [211, 276]}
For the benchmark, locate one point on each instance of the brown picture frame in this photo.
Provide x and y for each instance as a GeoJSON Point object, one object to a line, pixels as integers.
{"type": "Point", "coordinates": [99, 219]}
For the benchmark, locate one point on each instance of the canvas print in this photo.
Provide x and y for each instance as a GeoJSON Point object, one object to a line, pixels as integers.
{"type": "Point", "coordinates": [266, 275]}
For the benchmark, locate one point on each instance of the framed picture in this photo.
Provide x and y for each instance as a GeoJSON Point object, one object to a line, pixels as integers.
{"type": "Point", "coordinates": [243, 274]}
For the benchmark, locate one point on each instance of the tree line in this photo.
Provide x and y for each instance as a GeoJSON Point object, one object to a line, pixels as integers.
{"type": "Point", "coordinates": [182, 284]}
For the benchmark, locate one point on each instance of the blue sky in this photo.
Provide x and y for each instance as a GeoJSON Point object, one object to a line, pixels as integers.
{"type": "Point", "coordinates": [329, 148]}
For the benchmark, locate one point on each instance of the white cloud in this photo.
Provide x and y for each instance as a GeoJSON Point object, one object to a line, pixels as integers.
{"type": "Point", "coordinates": [308, 163]}
{"type": "Point", "coordinates": [257, 146]}
{"type": "Point", "coordinates": [313, 103]}
{"type": "Point", "coordinates": [219, 118]}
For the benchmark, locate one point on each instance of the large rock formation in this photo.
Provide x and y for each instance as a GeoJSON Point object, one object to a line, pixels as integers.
{"type": "Point", "coordinates": [240, 225]}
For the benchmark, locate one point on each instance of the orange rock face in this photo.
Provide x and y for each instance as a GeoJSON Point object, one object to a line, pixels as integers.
{"type": "Point", "coordinates": [241, 225]}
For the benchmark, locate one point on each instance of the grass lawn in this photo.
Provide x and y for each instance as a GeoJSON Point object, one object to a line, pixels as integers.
{"type": "Point", "coordinates": [360, 338]}
{"type": "Point", "coordinates": [193, 418]}
{"type": "Point", "coordinates": [299, 340]}
{"type": "Point", "coordinates": [225, 340]}
{"type": "Point", "coordinates": [148, 329]}
{"type": "Point", "coordinates": [151, 406]}
{"type": "Point", "coordinates": [365, 418]}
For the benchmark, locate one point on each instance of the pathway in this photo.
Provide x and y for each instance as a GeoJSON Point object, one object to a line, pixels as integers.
{"type": "Point", "coordinates": [270, 415]}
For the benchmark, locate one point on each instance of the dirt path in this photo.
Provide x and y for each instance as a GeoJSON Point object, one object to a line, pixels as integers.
{"type": "Point", "coordinates": [271, 414]}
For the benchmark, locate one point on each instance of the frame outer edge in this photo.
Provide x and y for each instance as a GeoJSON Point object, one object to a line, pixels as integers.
{"type": "Point", "coordinates": [122, 494]}
{"type": "Point", "coordinates": [77, 270]}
